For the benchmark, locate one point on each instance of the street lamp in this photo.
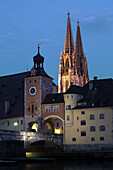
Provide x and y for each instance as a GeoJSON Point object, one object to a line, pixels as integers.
{"type": "Point", "coordinates": [15, 125]}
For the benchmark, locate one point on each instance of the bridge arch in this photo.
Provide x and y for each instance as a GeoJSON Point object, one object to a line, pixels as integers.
{"type": "Point", "coordinates": [52, 124]}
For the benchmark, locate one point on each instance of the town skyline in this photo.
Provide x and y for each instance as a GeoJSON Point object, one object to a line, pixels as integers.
{"type": "Point", "coordinates": [23, 24]}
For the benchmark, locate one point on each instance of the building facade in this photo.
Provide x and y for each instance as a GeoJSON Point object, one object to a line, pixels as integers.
{"type": "Point", "coordinates": [73, 64]}
{"type": "Point", "coordinates": [89, 116]}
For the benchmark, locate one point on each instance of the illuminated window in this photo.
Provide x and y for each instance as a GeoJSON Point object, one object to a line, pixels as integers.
{"type": "Point", "coordinates": [92, 117]}
{"type": "Point", "coordinates": [68, 107]}
{"type": "Point", "coordinates": [83, 133]}
{"type": "Point", "coordinates": [48, 108]}
{"type": "Point", "coordinates": [82, 112]}
{"type": "Point", "coordinates": [68, 117]}
{"type": "Point", "coordinates": [73, 139]}
{"type": "Point", "coordinates": [83, 122]}
{"type": "Point", "coordinates": [102, 128]}
{"type": "Point", "coordinates": [101, 138]}
{"type": "Point", "coordinates": [92, 128]}
{"type": "Point", "coordinates": [101, 116]}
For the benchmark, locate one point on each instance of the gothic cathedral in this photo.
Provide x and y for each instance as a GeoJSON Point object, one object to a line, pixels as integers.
{"type": "Point", "coordinates": [73, 64]}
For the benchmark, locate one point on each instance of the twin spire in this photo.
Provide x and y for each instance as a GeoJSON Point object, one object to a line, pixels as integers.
{"type": "Point", "coordinates": [69, 45]}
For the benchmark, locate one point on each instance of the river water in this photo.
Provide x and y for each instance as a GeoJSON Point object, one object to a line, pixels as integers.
{"type": "Point", "coordinates": [64, 165]}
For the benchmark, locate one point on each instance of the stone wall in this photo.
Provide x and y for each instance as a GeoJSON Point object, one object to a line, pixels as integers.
{"type": "Point", "coordinates": [11, 149]}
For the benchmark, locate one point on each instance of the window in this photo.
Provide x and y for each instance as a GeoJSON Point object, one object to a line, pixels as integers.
{"type": "Point", "coordinates": [68, 117]}
{"type": "Point", "coordinates": [92, 139]}
{"type": "Point", "coordinates": [83, 133]}
{"type": "Point", "coordinates": [56, 108]}
{"type": "Point", "coordinates": [7, 123]}
{"type": "Point", "coordinates": [48, 108]}
{"type": "Point", "coordinates": [102, 128]}
{"type": "Point", "coordinates": [6, 106]}
{"type": "Point", "coordinates": [21, 122]}
{"type": "Point", "coordinates": [92, 128]}
{"type": "Point", "coordinates": [83, 122]}
{"type": "Point", "coordinates": [101, 138]}
{"type": "Point", "coordinates": [77, 118]}
{"type": "Point", "coordinates": [82, 112]}
{"type": "Point", "coordinates": [72, 96]}
{"type": "Point", "coordinates": [77, 129]}
{"type": "Point", "coordinates": [57, 125]}
{"type": "Point", "coordinates": [67, 96]}
{"type": "Point", "coordinates": [73, 139]}
{"type": "Point", "coordinates": [32, 108]}
{"type": "Point", "coordinates": [68, 107]}
{"type": "Point", "coordinates": [92, 117]}
{"type": "Point", "coordinates": [101, 116]}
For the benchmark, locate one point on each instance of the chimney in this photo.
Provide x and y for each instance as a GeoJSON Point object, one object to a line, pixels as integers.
{"type": "Point", "coordinates": [95, 77]}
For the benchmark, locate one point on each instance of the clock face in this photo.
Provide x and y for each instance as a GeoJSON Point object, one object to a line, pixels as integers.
{"type": "Point", "coordinates": [32, 90]}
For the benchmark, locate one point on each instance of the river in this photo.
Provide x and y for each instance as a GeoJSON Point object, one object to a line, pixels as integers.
{"type": "Point", "coordinates": [64, 165]}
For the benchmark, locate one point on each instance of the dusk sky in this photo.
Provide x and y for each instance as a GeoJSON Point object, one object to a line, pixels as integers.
{"type": "Point", "coordinates": [25, 22]}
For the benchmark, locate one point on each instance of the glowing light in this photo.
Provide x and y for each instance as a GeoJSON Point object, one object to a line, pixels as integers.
{"type": "Point", "coordinates": [57, 131]}
{"type": "Point", "coordinates": [15, 123]}
{"type": "Point", "coordinates": [35, 127]}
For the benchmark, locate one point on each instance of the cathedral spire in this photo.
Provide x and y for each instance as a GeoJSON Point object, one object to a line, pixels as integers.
{"type": "Point", "coordinates": [78, 44]}
{"type": "Point", "coordinates": [69, 45]}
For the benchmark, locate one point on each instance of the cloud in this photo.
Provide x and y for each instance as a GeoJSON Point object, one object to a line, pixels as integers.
{"type": "Point", "coordinates": [90, 18]}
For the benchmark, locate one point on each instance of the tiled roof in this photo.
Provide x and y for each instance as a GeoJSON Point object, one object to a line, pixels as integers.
{"type": "Point", "coordinates": [54, 98]}
{"type": "Point", "coordinates": [75, 90]}
{"type": "Point", "coordinates": [12, 90]}
{"type": "Point", "coordinates": [98, 93]}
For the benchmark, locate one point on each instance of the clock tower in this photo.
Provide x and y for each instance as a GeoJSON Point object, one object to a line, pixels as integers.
{"type": "Point", "coordinates": [37, 86]}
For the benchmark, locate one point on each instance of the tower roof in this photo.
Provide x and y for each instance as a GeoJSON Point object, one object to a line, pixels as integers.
{"type": "Point", "coordinates": [69, 45]}
{"type": "Point", "coordinates": [78, 44]}
{"type": "Point", "coordinates": [38, 58]}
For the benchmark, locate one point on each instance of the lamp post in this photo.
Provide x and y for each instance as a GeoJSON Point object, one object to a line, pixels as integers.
{"type": "Point", "coordinates": [15, 125]}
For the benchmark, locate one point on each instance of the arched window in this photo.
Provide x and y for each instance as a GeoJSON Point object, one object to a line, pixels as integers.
{"type": "Point", "coordinates": [92, 117]}
{"type": "Point", "coordinates": [102, 128]}
{"type": "Point", "coordinates": [67, 85]}
{"type": "Point", "coordinates": [92, 128]}
{"type": "Point", "coordinates": [67, 62]}
{"type": "Point", "coordinates": [83, 122]}
{"type": "Point", "coordinates": [101, 116]}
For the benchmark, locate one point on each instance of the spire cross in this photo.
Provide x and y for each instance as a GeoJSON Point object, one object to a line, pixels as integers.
{"type": "Point", "coordinates": [68, 13]}
{"type": "Point", "coordinates": [38, 46]}
{"type": "Point", "coordinates": [78, 23]}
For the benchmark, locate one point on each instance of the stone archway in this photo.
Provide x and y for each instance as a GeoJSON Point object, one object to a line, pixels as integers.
{"type": "Point", "coordinates": [53, 125]}
{"type": "Point", "coordinates": [33, 126]}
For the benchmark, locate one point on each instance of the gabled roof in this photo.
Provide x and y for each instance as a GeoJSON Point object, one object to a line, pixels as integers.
{"type": "Point", "coordinates": [54, 98]}
{"type": "Point", "coordinates": [75, 90]}
{"type": "Point", "coordinates": [98, 93]}
{"type": "Point", "coordinates": [12, 91]}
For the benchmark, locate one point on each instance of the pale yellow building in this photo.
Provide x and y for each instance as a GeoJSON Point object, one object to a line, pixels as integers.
{"type": "Point", "coordinates": [89, 116]}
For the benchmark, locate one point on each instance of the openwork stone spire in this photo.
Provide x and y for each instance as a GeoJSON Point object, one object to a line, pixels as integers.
{"type": "Point", "coordinates": [78, 44]}
{"type": "Point", "coordinates": [69, 45]}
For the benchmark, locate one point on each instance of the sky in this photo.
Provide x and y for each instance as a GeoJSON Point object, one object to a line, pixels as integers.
{"type": "Point", "coordinates": [25, 22]}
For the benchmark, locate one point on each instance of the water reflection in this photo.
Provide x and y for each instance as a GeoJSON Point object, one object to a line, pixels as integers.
{"type": "Point", "coordinates": [73, 165]}
{"type": "Point", "coordinates": [65, 165]}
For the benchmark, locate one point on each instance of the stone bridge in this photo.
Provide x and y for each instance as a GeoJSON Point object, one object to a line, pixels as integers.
{"type": "Point", "coordinates": [30, 137]}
